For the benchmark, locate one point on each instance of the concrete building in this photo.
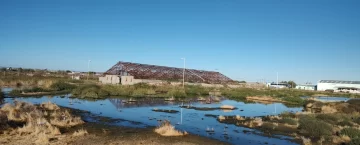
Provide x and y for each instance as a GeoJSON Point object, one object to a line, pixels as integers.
{"type": "Point", "coordinates": [306, 87]}
{"type": "Point", "coordinates": [127, 73]}
{"type": "Point", "coordinates": [339, 86]}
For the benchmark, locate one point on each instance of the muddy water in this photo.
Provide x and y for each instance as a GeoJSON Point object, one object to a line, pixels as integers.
{"type": "Point", "coordinates": [140, 114]}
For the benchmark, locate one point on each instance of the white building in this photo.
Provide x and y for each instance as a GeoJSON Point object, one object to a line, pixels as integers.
{"type": "Point", "coordinates": [339, 86]}
{"type": "Point", "coordinates": [306, 87]}
{"type": "Point", "coordinates": [277, 85]}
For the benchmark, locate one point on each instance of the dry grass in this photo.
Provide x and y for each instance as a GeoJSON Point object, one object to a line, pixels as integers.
{"type": "Point", "coordinates": [264, 98]}
{"type": "Point", "coordinates": [227, 107]}
{"type": "Point", "coordinates": [166, 129]}
{"type": "Point", "coordinates": [221, 118]}
{"type": "Point", "coordinates": [49, 106]}
{"type": "Point", "coordinates": [80, 132]}
{"type": "Point", "coordinates": [238, 117]}
{"type": "Point", "coordinates": [37, 128]}
{"type": "Point", "coordinates": [256, 122]}
{"type": "Point", "coordinates": [42, 139]}
{"type": "Point", "coordinates": [64, 119]}
{"type": "Point", "coordinates": [20, 110]}
{"type": "Point", "coordinates": [306, 141]}
{"type": "Point", "coordinates": [341, 139]}
{"type": "Point", "coordinates": [328, 109]}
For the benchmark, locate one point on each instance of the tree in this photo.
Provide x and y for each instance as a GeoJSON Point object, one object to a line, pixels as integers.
{"type": "Point", "coordinates": [291, 84]}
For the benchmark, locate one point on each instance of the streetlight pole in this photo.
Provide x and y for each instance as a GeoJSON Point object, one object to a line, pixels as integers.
{"type": "Point", "coordinates": [88, 70]}
{"type": "Point", "coordinates": [184, 72]}
{"type": "Point", "coordinates": [181, 109]}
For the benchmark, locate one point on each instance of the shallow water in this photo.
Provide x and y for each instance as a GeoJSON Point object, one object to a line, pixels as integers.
{"type": "Point", "coordinates": [192, 121]}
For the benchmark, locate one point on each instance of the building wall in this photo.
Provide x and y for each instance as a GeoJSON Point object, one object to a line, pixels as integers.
{"type": "Point", "coordinates": [305, 87]}
{"type": "Point", "coordinates": [335, 86]}
{"type": "Point", "coordinates": [110, 79]}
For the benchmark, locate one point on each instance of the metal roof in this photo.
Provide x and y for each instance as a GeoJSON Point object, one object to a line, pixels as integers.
{"type": "Point", "coordinates": [145, 71]}
{"type": "Point", "coordinates": [339, 82]}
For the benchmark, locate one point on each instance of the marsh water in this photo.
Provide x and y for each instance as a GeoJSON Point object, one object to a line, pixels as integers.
{"type": "Point", "coordinates": [141, 114]}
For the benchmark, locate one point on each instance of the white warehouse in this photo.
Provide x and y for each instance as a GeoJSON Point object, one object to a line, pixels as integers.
{"type": "Point", "coordinates": [339, 86]}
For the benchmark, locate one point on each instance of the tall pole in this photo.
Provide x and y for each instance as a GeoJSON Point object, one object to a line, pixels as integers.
{"type": "Point", "coordinates": [184, 73]}
{"type": "Point", "coordinates": [181, 109]}
{"type": "Point", "coordinates": [88, 70]}
{"type": "Point", "coordinates": [277, 79]}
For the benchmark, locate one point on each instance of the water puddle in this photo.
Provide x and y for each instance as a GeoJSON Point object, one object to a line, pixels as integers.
{"type": "Point", "coordinates": [148, 112]}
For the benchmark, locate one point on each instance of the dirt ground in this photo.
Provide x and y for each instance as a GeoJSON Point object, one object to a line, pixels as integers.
{"type": "Point", "coordinates": [110, 135]}
{"type": "Point", "coordinates": [103, 134]}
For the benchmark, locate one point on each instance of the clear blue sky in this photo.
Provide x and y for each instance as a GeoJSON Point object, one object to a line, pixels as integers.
{"type": "Point", "coordinates": [303, 40]}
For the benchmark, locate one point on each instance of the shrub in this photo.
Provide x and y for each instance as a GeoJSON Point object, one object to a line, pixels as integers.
{"type": "Point", "coordinates": [345, 123]}
{"type": "Point", "coordinates": [351, 132]}
{"type": "Point", "coordinates": [355, 141]}
{"type": "Point", "coordinates": [90, 91]}
{"type": "Point", "coordinates": [196, 90]}
{"type": "Point", "coordinates": [314, 128]}
{"type": "Point", "coordinates": [329, 118]}
{"type": "Point", "coordinates": [354, 101]}
{"type": "Point", "coordinates": [176, 93]}
{"type": "Point", "coordinates": [61, 86]}
{"type": "Point", "coordinates": [287, 115]}
{"type": "Point", "coordinates": [357, 120]}
{"type": "Point", "coordinates": [288, 121]}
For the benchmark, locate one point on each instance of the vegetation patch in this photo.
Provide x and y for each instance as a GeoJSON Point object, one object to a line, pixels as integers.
{"type": "Point", "coordinates": [351, 132]}
{"type": "Point", "coordinates": [289, 121]}
{"type": "Point", "coordinates": [166, 129]}
{"type": "Point", "coordinates": [164, 110]}
{"type": "Point", "coordinates": [314, 128]}
{"type": "Point", "coordinates": [30, 122]}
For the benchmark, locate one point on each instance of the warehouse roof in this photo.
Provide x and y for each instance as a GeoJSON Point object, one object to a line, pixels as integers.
{"type": "Point", "coordinates": [145, 71]}
{"type": "Point", "coordinates": [339, 82]}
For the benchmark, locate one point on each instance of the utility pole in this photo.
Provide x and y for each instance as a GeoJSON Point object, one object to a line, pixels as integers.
{"type": "Point", "coordinates": [184, 73]}
{"type": "Point", "coordinates": [88, 70]}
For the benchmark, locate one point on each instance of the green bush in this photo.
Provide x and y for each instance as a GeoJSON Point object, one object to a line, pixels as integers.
{"type": "Point", "coordinates": [90, 91]}
{"type": "Point", "coordinates": [288, 121]}
{"type": "Point", "coordinates": [329, 118]}
{"type": "Point", "coordinates": [15, 92]}
{"type": "Point", "coordinates": [116, 90]}
{"type": "Point", "coordinates": [193, 90]}
{"type": "Point", "coordinates": [355, 141]}
{"type": "Point", "coordinates": [176, 93]}
{"type": "Point", "coordinates": [354, 101]}
{"type": "Point", "coordinates": [345, 123]}
{"type": "Point", "coordinates": [351, 132]}
{"type": "Point", "coordinates": [62, 86]}
{"type": "Point", "coordinates": [287, 115]}
{"type": "Point", "coordinates": [314, 128]}
{"type": "Point", "coordinates": [357, 120]}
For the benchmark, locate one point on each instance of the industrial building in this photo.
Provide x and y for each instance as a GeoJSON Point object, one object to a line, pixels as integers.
{"type": "Point", "coordinates": [128, 73]}
{"type": "Point", "coordinates": [339, 86]}
{"type": "Point", "coordinates": [309, 87]}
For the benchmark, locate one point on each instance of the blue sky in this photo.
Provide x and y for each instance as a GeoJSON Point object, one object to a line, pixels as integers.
{"type": "Point", "coordinates": [302, 40]}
